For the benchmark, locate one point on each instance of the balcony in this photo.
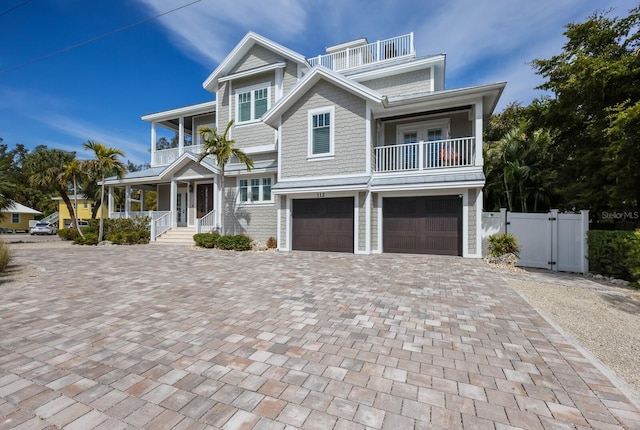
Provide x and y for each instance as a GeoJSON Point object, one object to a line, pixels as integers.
{"type": "Point", "coordinates": [165, 157]}
{"type": "Point", "coordinates": [365, 54]}
{"type": "Point", "coordinates": [421, 156]}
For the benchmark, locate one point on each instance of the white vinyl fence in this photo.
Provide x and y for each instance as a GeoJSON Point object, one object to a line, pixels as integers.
{"type": "Point", "coordinates": [553, 241]}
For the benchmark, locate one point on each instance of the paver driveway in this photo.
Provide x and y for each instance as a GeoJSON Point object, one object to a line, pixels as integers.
{"type": "Point", "coordinates": [169, 337]}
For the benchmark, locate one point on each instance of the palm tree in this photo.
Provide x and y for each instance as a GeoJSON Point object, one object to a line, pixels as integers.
{"type": "Point", "coordinates": [74, 171]}
{"type": "Point", "coordinates": [46, 171]}
{"type": "Point", "coordinates": [221, 148]}
{"type": "Point", "coordinates": [106, 163]}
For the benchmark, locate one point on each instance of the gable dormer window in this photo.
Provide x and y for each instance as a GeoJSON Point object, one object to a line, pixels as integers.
{"type": "Point", "coordinates": [252, 102]}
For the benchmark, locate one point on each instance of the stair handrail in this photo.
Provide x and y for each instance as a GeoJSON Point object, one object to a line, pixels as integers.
{"type": "Point", "coordinates": [161, 224]}
{"type": "Point", "coordinates": [207, 223]}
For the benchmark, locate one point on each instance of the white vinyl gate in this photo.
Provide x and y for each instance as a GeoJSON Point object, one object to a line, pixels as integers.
{"type": "Point", "coordinates": [553, 241]}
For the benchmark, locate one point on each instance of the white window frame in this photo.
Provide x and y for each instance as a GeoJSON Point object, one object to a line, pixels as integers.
{"type": "Point", "coordinates": [260, 200]}
{"type": "Point", "coordinates": [12, 219]}
{"type": "Point", "coordinates": [332, 127]}
{"type": "Point", "coordinates": [251, 89]}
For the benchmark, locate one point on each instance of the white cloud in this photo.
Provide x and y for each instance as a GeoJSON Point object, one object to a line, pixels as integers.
{"type": "Point", "coordinates": [209, 30]}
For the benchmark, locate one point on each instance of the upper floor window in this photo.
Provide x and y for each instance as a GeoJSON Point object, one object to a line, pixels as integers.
{"type": "Point", "coordinates": [321, 132]}
{"type": "Point", "coordinates": [252, 102]}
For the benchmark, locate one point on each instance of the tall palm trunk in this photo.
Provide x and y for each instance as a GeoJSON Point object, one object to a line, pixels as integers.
{"type": "Point", "coordinates": [75, 206]}
{"type": "Point", "coordinates": [222, 208]}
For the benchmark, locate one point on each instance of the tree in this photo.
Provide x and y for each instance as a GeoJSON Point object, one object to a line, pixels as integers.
{"type": "Point", "coordinates": [106, 163]}
{"type": "Point", "coordinates": [74, 171]}
{"type": "Point", "coordinates": [221, 148]}
{"type": "Point", "coordinates": [8, 187]}
{"type": "Point", "coordinates": [45, 169]}
{"type": "Point", "coordinates": [595, 113]}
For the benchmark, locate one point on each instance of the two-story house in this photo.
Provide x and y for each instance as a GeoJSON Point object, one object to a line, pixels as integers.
{"type": "Point", "coordinates": [361, 149]}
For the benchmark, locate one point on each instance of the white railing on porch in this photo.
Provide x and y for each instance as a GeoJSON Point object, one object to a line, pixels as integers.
{"type": "Point", "coordinates": [396, 47]}
{"type": "Point", "coordinates": [165, 156]}
{"type": "Point", "coordinates": [426, 155]}
{"type": "Point", "coordinates": [207, 223]}
{"type": "Point", "coordinates": [160, 224]}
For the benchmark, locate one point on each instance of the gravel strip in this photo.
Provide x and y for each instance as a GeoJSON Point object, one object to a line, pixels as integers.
{"type": "Point", "coordinates": [605, 320]}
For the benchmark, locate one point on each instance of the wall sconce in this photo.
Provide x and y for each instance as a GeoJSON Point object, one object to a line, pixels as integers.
{"type": "Point", "coordinates": [190, 188]}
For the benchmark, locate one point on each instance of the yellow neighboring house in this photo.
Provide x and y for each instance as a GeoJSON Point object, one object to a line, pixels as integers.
{"type": "Point", "coordinates": [83, 210]}
{"type": "Point", "coordinates": [16, 217]}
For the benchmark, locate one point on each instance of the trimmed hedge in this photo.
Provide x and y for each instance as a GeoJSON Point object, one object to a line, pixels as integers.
{"type": "Point", "coordinates": [232, 242]}
{"type": "Point", "coordinates": [121, 231]}
{"type": "Point", "coordinates": [68, 233]}
{"type": "Point", "coordinates": [615, 253]}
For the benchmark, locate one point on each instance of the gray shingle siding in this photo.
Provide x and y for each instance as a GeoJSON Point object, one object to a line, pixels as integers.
{"type": "Point", "coordinates": [164, 197]}
{"type": "Point", "coordinates": [222, 109]}
{"type": "Point", "coordinates": [282, 240]}
{"type": "Point", "coordinates": [459, 126]}
{"type": "Point", "coordinates": [418, 81]}
{"type": "Point", "coordinates": [258, 222]}
{"type": "Point", "coordinates": [290, 77]}
{"type": "Point", "coordinates": [192, 170]}
{"type": "Point", "coordinates": [472, 221]}
{"type": "Point", "coordinates": [350, 136]}
{"type": "Point", "coordinates": [257, 56]}
{"type": "Point", "coordinates": [255, 134]}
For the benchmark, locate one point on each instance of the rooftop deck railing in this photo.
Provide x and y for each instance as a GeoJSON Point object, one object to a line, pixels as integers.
{"type": "Point", "coordinates": [378, 51]}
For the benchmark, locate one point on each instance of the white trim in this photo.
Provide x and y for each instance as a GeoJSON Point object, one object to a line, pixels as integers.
{"type": "Point", "coordinates": [465, 223]}
{"type": "Point", "coordinates": [479, 208]}
{"type": "Point", "coordinates": [245, 73]}
{"type": "Point", "coordinates": [367, 223]}
{"type": "Point", "coordinates": [289, 233]}
{"type": "Point", "coordinates": [331, 110]}
{"type": "Point", "coordinates": [279, 79]}
{"type": "Point", "coordinates": [356, 224]}
{"type": "Point", "coordinates": [380, 232]}
{"type": "Point", "coordinates": [478, 130]}
{"type": "Point", "coordinates": [446, 187]}
{"type": "Point", "coordinates": [320, 189]}
{"type": "Point", "coordinates": [260, 149]}
{"type": "Point", "coordinates": [311, 178]}
{"type": "Point", "coordinates": [278, 201]}
{"type": "Point", "coordinates": [432, 79]}
{"type": "Point", "coordinates": [368, 150]}
{"type": "Point", "coordinates": [231, 104]}
{"type": "Point", "coordinates": [279, 148]}
{"type": "Point", "coordinates": [251, 90]}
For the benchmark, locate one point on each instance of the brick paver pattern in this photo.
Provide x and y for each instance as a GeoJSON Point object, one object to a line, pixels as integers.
{"type": "Point", "coordinates": [164, 337]}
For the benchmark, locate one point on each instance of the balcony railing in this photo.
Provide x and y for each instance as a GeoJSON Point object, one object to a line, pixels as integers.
{"type": "Point", "coordinates": [426, 155]}
{"type": "Point", "coordinates": [164, 157]}
{"type": "Point", "coordinates": [381, 50]}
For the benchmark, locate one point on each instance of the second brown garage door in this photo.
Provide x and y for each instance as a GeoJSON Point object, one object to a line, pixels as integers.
{"type": "Point", "coordinates": [423, 225]}
{"type": "Point", "coordinates": [323, 224]}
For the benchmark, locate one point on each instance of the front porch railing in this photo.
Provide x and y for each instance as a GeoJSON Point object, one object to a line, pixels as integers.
{"type": "Point", "coordinates": [426, 155]}
{"type": "Point", "coordinates": [160, 224]}
{"type": "Point", "coordinates": [207, 223]}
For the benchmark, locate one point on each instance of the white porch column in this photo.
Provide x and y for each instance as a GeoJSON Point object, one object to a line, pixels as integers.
{"type": "Point", "coordinates": [127, 200]}
{"type": "Point", "coordinates": [181, 136]}
{"type": "Point", "coordinates": [110, 200]}
{"type": "Point", "coordinates": [141, 200]}
{"type": "Point", "coordinates": [153, 143]}
{"type": "Point", "coordinates": [478, 133]}
{"type": "Point", "coordinates": [173, 197]}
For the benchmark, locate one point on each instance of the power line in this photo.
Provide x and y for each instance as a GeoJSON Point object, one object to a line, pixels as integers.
{"type": "Point", "coordinates": [8, 11]}
{"type": "Point", "coordinates": [93, 39]}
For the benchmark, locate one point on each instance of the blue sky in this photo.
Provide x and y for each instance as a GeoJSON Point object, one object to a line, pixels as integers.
{"type": "Point", "coordinates": [99, 91]}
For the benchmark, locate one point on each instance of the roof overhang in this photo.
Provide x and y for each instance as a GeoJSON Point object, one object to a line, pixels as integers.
{"type": "Point", "coordinates": [16, 207]}
{"type": "Point", "coordinates": [317, 74]}
{"type": "Point", "coordinates": [241, 49]}
{"type": "Point", "coordinates": [488, 93]}
{"type": "Point", "coordinates": [191, 110]}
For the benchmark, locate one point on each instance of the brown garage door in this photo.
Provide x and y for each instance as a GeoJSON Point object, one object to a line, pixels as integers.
{"type": "Point", "coordinates": [423, 225]}
{"type": "Point", "coordinates": [323, 224]}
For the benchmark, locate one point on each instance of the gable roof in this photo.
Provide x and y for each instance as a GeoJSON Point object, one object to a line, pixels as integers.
{"type": "Point", "coordinates": [17, 208]}
{"type": "Point", "coordinates": [317, 74]}
{"type": "Point", "coordinates": [247, 42]}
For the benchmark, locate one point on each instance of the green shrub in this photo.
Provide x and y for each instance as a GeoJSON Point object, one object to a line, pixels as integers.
{"type": "Point", "coordinates": [5, 256]}
{"type": "Point", "coordinates": [88, 239]}
{"type": "Point", "coordinates": [633, 256]}
{"type": "Point", "coordinates": [132, 237]}
{"type": "Point", "coordinates": [68, 233]}
{"type": "Point", "coordinates": [504, 243]}
{"type": "Point", "coordinates": [238, 242]}
{"type": "Point", "coordinates": [206, 240]}
{"type": "Point", "coordinates": [609, 253]}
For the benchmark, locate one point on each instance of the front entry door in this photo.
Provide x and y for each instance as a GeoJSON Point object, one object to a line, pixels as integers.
{"type": "Point", "coordinates": [181, 207]}
{"type": "Point", "coordinates": [204, 199]}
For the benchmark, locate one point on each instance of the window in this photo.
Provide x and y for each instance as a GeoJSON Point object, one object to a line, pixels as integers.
{"type": "Point", "coordinates": [254, 190]}
{"type": "Point", "coordinates": [15, 218]}
{"type": "Point", "coordinates": [321, 132]}
{"type": "Point", "coordinates": [252, 103]}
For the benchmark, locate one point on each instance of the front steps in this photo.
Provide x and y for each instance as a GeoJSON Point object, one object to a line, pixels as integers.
{"type": "Point", "coordinates": [177, 236]}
